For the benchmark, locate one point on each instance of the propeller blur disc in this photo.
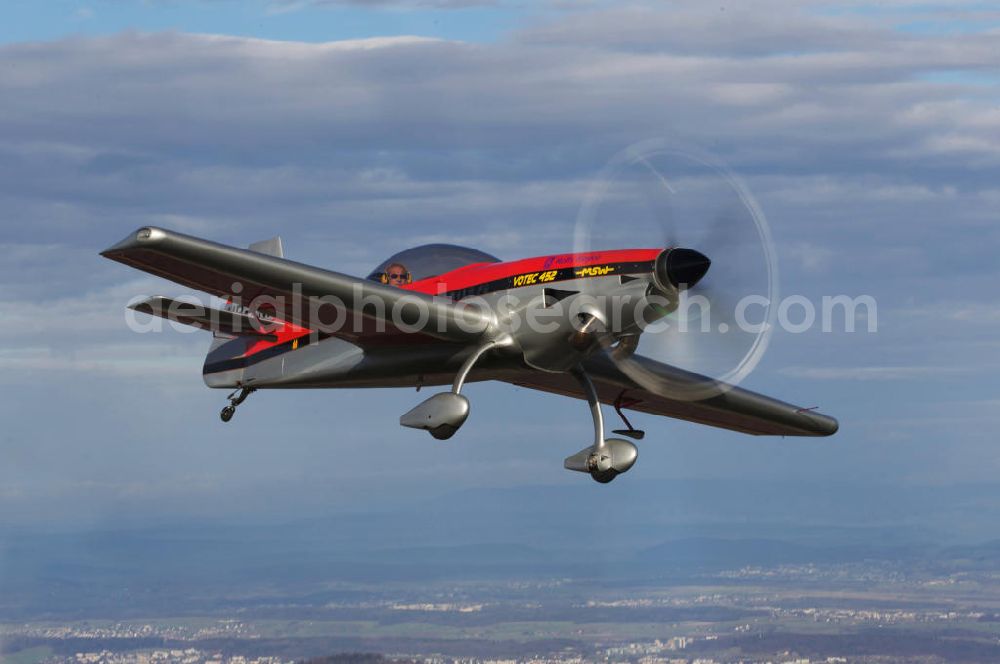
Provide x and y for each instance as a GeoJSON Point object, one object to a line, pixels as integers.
{"type": "Point", "coordinates": [654, 194]}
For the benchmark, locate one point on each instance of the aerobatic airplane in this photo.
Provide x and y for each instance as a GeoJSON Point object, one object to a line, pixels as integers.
{"type": "Point", "coordinates": [443, 314]}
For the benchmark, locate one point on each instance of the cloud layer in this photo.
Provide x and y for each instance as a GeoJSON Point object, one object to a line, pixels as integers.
{"type": "Point", "coordinates": [873, 148]}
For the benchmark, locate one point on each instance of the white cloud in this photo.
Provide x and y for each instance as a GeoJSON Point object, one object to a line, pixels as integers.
{"type": "Point", "coordinates": [146, 360]}
{"type": "Point", "coordinates": [874, 373]}
{"type": "Point", "coordinates": [296, 5]}
{"type": "Point", "coordinates": [877, 177]}
{"type": "Point", "coordinates": [980, 313]}
{"type": "Point", "coordinates": [811, 257]}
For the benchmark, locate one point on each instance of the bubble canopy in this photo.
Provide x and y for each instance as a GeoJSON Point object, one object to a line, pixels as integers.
{"type": "Point", "coordinates": [433, 259]}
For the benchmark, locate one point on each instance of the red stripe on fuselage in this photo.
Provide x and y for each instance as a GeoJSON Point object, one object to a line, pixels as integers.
{"type": "Point", "coordinates": [282, 330]}
{"type": "Point", "coordinates": [476, 274]}
{"type": "Point", "coordinates": [482, 273]}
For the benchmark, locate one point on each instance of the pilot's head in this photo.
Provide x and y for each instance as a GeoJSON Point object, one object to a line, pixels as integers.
{"type": "Point", "coordinates": [396, 274]}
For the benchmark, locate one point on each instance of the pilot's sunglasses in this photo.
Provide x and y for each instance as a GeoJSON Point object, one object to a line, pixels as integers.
{"type": "Point", "coordinates": [397, 276]}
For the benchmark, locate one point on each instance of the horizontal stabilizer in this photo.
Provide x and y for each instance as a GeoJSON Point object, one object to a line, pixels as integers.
{"type": "Point", "coordinates": [207, 318]}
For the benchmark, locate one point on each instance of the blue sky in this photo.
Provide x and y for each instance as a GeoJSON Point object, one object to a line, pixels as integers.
{"type": "Point", "coordinates": [483, 125]}
{"type": "Point", "coordinates": [264, 19]}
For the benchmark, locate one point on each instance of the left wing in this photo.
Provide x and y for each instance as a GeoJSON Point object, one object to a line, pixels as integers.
{"type": "Point", "coordinates": [307, 296]}
{"type": "Point", "coordinates": [724, 406]}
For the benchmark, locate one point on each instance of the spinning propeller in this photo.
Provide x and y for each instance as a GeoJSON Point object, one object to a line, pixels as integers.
{"type": "Point", "coordinates": [719, 257]}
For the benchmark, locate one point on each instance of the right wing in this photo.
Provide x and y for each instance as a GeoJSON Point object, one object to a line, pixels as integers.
{"type": "Point", "coordinates": [686, 396]}
{"type": "Point", "coordinates": [330, 302]}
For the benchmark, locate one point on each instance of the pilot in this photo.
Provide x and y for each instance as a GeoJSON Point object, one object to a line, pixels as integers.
{"type": "Point", "coordinates": [396, 274]}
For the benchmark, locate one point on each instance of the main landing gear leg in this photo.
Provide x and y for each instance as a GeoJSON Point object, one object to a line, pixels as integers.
{"type": "Point", "coordinates": [235, 399]}
{"type": "Point", "coordinates": [605, 459]}
{"type": "Point", "coordinates": [443, 414]}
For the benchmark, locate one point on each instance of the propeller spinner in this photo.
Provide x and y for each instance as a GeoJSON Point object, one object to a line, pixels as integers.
{"type": "Point", "coordinates": [681, 268]}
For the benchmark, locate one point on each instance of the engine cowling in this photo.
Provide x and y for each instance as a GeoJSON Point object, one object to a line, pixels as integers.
{"type": "Point", "coordinates": [557, 336]}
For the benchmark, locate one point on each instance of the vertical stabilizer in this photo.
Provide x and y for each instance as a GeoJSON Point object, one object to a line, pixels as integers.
{"type": "Point", "coordinates": [270, 247]}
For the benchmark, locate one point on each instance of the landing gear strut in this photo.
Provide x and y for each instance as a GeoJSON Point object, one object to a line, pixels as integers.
{"type": "Point", "coordinates": [235, 399]}
{"type": "Point", "coordinates": [444, 413]}
{"type": "Point", "coordinates": [606, 459]}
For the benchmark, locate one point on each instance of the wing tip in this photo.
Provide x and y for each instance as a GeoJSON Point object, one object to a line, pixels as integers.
{"type": "Point", "coordinates": [823, 425]}
{"type": "Point", "coordinates": [146, 235]}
